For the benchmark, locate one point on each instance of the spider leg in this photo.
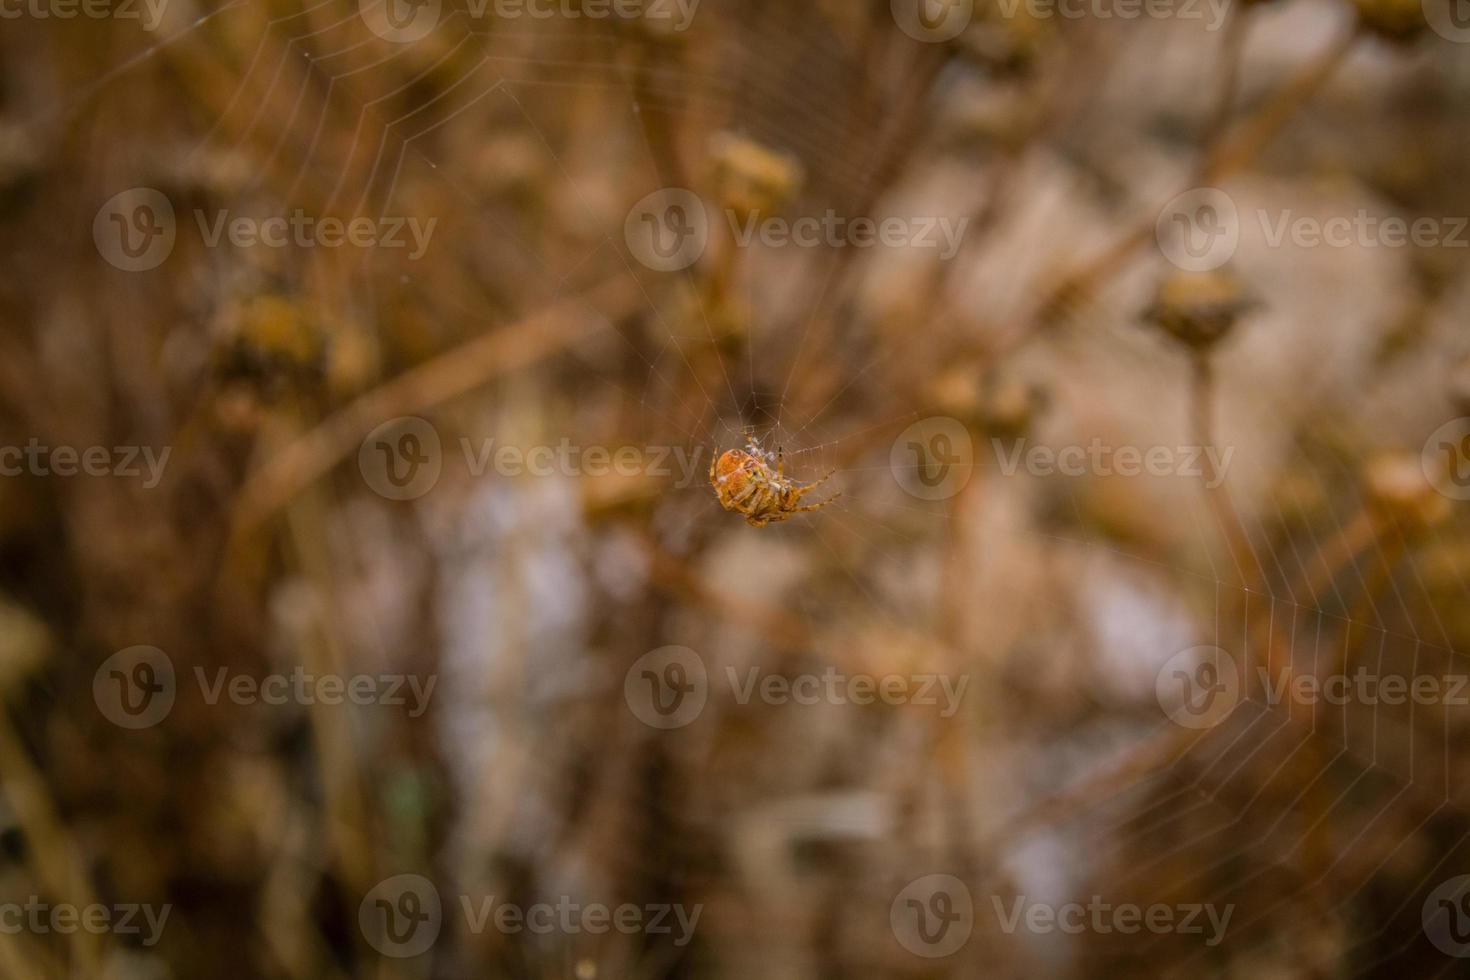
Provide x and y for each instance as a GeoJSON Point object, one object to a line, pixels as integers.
{"type": "Point", "coordinates": [803, 491]}
{"type": "Point", "coordinates": [816, 506]}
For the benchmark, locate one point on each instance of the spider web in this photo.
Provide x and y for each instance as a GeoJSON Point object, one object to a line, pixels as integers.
{"type": "Point", "coordinates": [1281, 813]}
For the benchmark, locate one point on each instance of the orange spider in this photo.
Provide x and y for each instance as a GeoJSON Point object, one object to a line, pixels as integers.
{"type": "Point", "coordinates": [744, 482]}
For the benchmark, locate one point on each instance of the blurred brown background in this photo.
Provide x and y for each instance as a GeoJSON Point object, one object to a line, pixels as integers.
{"type": "Point", "coordinates": [284, 621]}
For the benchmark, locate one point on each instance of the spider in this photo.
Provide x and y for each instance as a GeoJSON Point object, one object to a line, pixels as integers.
{"type": "Point", "coordinates": [744, 482]}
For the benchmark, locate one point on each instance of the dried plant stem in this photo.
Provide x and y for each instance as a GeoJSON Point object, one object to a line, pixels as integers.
{"type": "Point", "coordinates": [447, 376]}
{"type": "Point", "coordinates": [1222, 160]}
{"type": "Point", "coordinates": [1232, 52]}
{"type": "Point", "coordinates": [1202, 425]}
{"type": "Point", "coordinates": [775, 626]}
{"type": "Point", "coordinates": [1230, 155]}
{"type": "Point", "coordinates": [1166, 747]}
{"type": "Point", "coordinates": [1350, 542]}
{"type": "Point", "coordinates": [47, 842]}
{"type": "Point", "coordinates": [337, 762]}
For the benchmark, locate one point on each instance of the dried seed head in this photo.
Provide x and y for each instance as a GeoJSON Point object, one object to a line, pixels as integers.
{"type": "Point", "coordinates": [273, 342]}
{"type": "Point", "coordinates": [1199, 308]}
{"type": "Point", "coordinates": [512, 166]}
{"type": "Point", "coordinates": [1394, 20]}
{"type": "Point", "coordinates": [990, 124]}
{"type": "Point", "coordinates": [751, 178]}
{"type": "Point", "coordinates": [1398, 489]}
{"type": "Point", "coordinates": [20, 161]}
{"type": "Point", "coordinates": [1008, 45]}
{"type": "Point", "coordinates": [1000, 403]}
{"type": "Point", "coordinates": [1010, 404]}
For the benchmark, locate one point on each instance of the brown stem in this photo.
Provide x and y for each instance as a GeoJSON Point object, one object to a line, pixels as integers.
{"type": "Point", "coordinates": [1202, 426]}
